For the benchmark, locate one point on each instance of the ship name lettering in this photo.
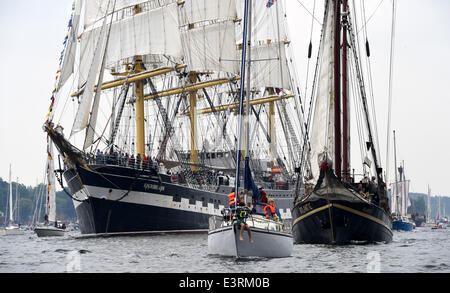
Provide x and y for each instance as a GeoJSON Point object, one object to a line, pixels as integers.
{"type": "Point", "coordinates": [148, 186]}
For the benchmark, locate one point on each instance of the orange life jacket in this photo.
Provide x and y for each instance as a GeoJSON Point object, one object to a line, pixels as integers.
{"type": "Point", "coordinates": [231, 198]}
{"type": "Point", "coordinates": [272, 210]}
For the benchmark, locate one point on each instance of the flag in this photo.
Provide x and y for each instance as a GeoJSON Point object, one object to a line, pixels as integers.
{"type": "Point", "coordinates": [270, 3]}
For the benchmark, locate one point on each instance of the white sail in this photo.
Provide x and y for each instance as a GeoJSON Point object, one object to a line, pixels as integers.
{"type": "Point", "coordinates": [51, 189]}
{"type": "Point", "coordinates": [68, 64]}
{"type": "Point", "coordinates": [322, 133]}
{"type": "Point", "coordinates": [209, 35]}
{"type": "Point", "coordinates": [270, 68]}
{"type": "Point", "coordinates": [268, 39]}
{"type": "Point", "coordinates": [151, 32]}
{"type": "Point", "coordinates": [211, 48]}
{"type": "Point", "coordinates": [194, 11]}
{"type": "Point", "coordinates": [82, 116]}
{"type": "Point", "coordinates": [405, 198]}
{"type": "Point", "coordinates": [96, 10]}
{"type": "Point", "coordinates": [399, 197]}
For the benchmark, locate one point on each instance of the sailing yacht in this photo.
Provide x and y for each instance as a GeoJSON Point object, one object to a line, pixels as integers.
{"type": "Point", "coordinates": [336, 207]}
{"type": "Point", "coordinates": [11, 229]}
{"type": "Point", "coordinates": [267, 237]}
{"type": "Point", "coordinates": [154, 88]}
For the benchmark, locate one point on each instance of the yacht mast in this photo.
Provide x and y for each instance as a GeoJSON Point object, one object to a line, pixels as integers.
{"type": "Point", "coordinates": [396, 179]}
{"type": "Point", "coordinates": [11, 220]}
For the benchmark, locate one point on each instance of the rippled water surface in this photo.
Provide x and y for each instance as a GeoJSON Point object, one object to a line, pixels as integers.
{"type": "Point", "coordinates": [422, 250]}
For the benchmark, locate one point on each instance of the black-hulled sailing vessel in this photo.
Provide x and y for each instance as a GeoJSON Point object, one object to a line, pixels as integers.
{"type": "Point", "coordinates": [335, 208]}
{"type": "Point", "coordinates": [168, 70]}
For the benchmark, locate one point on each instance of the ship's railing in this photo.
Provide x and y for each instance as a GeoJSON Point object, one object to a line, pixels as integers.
{"type": "Point", "coordinates": [230, 217]}
{"type": "Point", "coordinates": [124, 161]}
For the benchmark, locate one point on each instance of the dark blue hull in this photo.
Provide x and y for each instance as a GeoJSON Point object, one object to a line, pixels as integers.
{"type": "Point", "coordinates": [125, 200]}
{"type": "Point", "coordinates": [98, 216]}
{"type": "Point", "coordinates": [339, 222]}
{"type": "Point", "coordinates": [402, 226]}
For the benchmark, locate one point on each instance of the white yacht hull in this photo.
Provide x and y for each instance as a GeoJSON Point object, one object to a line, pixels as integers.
{"type": "Point", "coordinates": [12, 231]}
{"type": "Point", "coordinates": [49, 231]}
{"type": "Point", "coordinates": [225, 241]}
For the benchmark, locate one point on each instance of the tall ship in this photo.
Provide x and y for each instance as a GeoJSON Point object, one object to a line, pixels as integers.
{"type": "Point", "coordinates": [143, 112]}
{"type": "Point", "coordinates": [339, 206]}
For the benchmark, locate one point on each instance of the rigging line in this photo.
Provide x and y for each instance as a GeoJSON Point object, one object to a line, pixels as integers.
{"type": "Point", "coordinates": [299, 2]}
{"type": "Point", "coordinates": [391, 71]}
{"type": "Point", "coordinates": [357, 109]}
{"type": "Point", "coordinates": [367, 21]}
{"type": "Point", "coordinates": [369, 74]}
{"type": "Point", "coordinates": [309, 49]}
{"type": "Point", "coordinates": [306, 143]}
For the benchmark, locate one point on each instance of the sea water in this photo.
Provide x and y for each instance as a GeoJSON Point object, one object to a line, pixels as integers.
{"type": "Point", "coordinates": [421, 250]}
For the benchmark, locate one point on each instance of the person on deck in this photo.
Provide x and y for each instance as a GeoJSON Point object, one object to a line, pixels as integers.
{"type": "Point", "coordinates": [241, 222]}
{"type": "Point", "coordinates": [270, 209]}
{"type": "Point", "coordinates": [231, 197]}
{"type": "Point", "coordinates": [263, 195]}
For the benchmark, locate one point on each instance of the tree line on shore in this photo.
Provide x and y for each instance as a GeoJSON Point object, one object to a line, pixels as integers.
{"type": "Point", "coordinates": [30, 203]}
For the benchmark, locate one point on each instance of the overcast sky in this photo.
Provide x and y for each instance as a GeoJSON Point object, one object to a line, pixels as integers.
{"type": "Point", "coordinates": [32, 33]}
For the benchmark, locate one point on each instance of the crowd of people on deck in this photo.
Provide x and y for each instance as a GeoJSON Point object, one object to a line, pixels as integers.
{"type": "Point", "coordinates": [125, 160]}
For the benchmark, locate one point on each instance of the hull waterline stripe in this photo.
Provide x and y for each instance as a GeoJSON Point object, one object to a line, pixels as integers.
{"type": "Point", "coordinates": [367, 216]}
{"type": "Point", "coordinates": [311, 213]}
{"type": "Point", "coordinates": [342, 207]}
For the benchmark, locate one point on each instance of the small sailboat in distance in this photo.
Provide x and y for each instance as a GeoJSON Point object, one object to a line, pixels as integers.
{"type": "Point", "coordinates": [50, 227]}
{"type": "Point", "coordinates": [11, 229]}
{"type": "Point", "coordinates": [267, 236]}
{"type": "Point", "coordinates": [399, 198]}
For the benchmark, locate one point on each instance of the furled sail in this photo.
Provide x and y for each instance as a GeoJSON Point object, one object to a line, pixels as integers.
{"type": "Point", "coordinates": [322, 133]}
{"type": "Point", "coordinates": [51, 188]}
{"type": "Point", "coordinates": [209, 35]}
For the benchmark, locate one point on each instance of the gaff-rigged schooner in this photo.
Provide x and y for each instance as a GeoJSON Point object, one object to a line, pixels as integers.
{"type": "Point", "coordinates": [335, 208]}
{"type": "Point", "coordinates": [154, 87]}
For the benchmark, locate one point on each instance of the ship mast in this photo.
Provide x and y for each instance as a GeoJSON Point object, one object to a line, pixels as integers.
{"type": "Point", "coordinates": [337, 88]}
{"type": "Point", "coordinates": [345, 99]}
{"type": "Point", "coordinates": [139, 103]}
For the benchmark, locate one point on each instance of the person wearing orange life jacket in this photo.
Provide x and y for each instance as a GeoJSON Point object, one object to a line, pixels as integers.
{"type": "Point", "coordinates": [270, 208]}
{"type": "Point", "coordinates": [231, 197]}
